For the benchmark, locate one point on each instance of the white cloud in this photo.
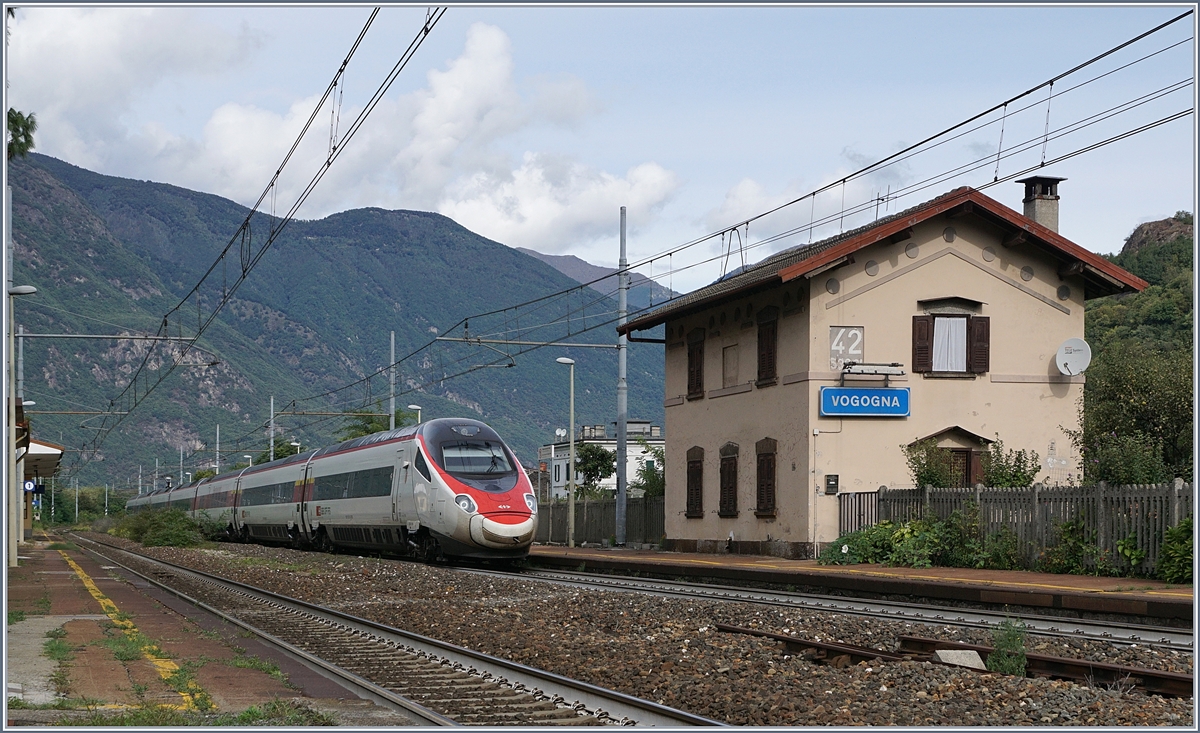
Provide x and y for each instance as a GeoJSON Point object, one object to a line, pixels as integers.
{"type": "Point", "coordinates": [448, 146]}
{"type": "Point", "coordinates": [553, 204]}
{"type": "Point", "coordinates": [80, 69]}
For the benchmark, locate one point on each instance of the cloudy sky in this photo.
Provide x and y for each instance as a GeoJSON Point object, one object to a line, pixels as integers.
{"type": "Point", "coordinates": [533, 125]}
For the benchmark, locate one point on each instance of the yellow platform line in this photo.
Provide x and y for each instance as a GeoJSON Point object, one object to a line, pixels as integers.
{"type": "Point", "coordinates": [165, 667]}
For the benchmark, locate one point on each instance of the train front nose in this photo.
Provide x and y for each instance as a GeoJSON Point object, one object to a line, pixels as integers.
{"type": "Point", "coordinates": [502, 530]}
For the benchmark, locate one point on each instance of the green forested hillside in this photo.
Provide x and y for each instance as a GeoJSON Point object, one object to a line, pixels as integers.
{"type": "Point", "coordinates": [109, 254]}
{"type": "Point", "coordinates": [1138, 416]}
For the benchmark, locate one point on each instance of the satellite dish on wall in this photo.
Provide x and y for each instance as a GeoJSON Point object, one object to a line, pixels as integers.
{"type": "Point", "coordinates": [1073, 357]}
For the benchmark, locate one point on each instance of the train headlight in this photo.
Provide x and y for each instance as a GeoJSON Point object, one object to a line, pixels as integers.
{"type": "Point", "coordinates": [531, 502]}
{"type": "Point", "coordinates": [466, 503]}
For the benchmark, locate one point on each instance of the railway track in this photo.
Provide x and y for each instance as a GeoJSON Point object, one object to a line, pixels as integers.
{"type": "Point", "coordinates": [1083, 671]}
{"type": "Point", "coordinates": [434, 682]}
{"type": "Point", "coordinates": [1056, 626]}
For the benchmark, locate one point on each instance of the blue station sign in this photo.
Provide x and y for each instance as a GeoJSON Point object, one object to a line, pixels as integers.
{"type": "Point", "coordinates": [864, 402]}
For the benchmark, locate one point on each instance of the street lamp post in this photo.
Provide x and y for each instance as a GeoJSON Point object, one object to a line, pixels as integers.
{"type": "Point", "coordinates": [16, 496]}
{"type": "Point", "coordinates": [295, 444]}
{"type": "Point", "coordinates": [571, 460]}
{"type": "Point", "coordinates": [250, 458]}
{"type": "Point", "coordinates": [418, 409]}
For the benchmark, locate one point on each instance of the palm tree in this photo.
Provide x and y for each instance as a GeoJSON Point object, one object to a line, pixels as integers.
{"type": "Point", "coordinates": [20, 133]}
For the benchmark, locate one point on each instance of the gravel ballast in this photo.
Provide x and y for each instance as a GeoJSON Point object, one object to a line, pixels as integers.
{"type": "Point", "coordinates": [667, 650]}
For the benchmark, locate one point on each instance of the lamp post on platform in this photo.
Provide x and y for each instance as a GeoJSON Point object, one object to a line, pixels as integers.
{"type": "Point", "coordinates": [418, 409]}
{"type": "Point", "coordinates": [571, 460]}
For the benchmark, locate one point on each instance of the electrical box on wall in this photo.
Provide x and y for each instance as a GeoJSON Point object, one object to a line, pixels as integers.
{"type": "Point", "coordinates": [831, 483]}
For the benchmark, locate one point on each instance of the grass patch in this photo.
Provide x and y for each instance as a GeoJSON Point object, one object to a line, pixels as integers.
{"type": "Point", "coordinates": [1008, 654]}
{"type": "Point", "coordinates": [126, 647]}
{"type": "Point", "coordinates": [262, 665]}
{"type": "Point", "coordinates": [43, 605]}
{"type": "Point", "coordinates": [61, 679]}
{"type": "Point", "coordinates": [183, 680]}
{"type": "Point", "coordinates": [62, 546]}
{"type": "Point", "coordinates": [274, 713]}
{"type": "Point", "coordinates": [58, 650]}
{"type": "Point", "coordinates": [61, 703]}
{"type": "Point", "coordinates": [59, 633]}
{"type": "Point", "coordinates": [15, 617]}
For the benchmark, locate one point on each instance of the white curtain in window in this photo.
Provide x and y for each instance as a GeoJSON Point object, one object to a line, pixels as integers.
{"type": "Point", "coordinates": [949, 344]}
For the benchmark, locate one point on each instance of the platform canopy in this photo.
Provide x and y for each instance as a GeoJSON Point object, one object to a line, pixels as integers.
{"type": "Point", "coordinates": [41, 459]}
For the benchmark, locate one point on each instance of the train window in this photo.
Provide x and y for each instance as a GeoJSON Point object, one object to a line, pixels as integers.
{"type": "Point", "coordinates": [422, 466]}
{"type": "Point", "coordinates": [332, 487]}
{"type": "Point", "coordinates": [372, 482]}
{"type": "Point", "coordinates": [475, 457]}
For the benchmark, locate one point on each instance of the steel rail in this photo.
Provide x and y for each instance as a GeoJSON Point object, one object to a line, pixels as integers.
{"type": "Point", "coordinates": [1151, 681]}
{"type": "Point", "coordinates": [594, 700]}
{"type": "Point", "coordinates": [364, 688]}
{"type": "Point", "coordinates": [1154, 681]}
{"type": "Point", "coordinates": [1058, 626]}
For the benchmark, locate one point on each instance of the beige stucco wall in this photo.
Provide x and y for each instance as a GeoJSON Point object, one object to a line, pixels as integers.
{"type": "Point", "coordinates": [1022, 397]}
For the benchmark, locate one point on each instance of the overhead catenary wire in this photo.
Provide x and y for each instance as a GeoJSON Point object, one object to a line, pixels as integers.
{"type": "Point", "coordinates": [443, 376]}
{"type": "Point", "coordinates": [876, 166]}
{"type": "Point", "coordinates": [131, 394]}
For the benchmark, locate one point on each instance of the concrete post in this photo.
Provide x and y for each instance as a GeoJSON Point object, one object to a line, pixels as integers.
{"type": "Point", "coordinates": [1101, 518]}
{"type": "Point", "coordinates": [925, 500]}
{"type": "Point", "coordinates": [392, 383]}
{"type": "Point", "coordinates": [622, 387]}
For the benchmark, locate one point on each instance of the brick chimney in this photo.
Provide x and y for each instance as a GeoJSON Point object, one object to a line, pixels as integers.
{"type": "Point", "coordinates": [1041, 200]}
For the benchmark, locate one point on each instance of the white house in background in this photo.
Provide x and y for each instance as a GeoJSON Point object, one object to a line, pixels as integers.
{"type": "Point", "coordinates": [554, 458]}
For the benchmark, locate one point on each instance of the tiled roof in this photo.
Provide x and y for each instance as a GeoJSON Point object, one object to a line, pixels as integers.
{"type": "Point", "coordinates": [769, 268]}
{"type": "Point", "coordinates": [1101, 276]}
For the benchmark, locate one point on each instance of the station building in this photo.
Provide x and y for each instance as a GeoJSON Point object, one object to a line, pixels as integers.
{"type": "Point", "coordinates": [803, 376]}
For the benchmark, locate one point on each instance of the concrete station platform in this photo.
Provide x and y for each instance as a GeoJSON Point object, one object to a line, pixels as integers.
{"type": "Point", "coordinates": [1131, 596]}
{"type": "Point", "coordinates": [90, 605]}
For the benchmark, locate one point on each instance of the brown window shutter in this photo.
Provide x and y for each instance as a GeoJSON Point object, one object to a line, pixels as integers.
{"type": "Point", "coordinates": [695, 482]}
{"type": "Point", "coordinates": [922, 344]}
{"type": "Point", "coordinates": [767, 348]}
{"type": "Point", "coordinates": [978, 344]}
{"type": "Point", "coordinates": [728, 504]}
{"type": "Point", "coordinates": [695, 385]}
{"type": "Point", "coordinates": [766, 483]}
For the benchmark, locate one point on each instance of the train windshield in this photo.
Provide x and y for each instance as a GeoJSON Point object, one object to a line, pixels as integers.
{"type": "Point", "coordinates": [476, 457]}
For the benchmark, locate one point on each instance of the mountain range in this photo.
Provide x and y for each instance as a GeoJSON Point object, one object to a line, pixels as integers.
{"type": "Point", "coordinates": [112, 255]}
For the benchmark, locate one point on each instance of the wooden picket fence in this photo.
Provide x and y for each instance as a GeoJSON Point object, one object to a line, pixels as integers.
{"type": "Point", "coordinates": [1140, 512]}
{"type": "Point", "coordinates": [596, 521]}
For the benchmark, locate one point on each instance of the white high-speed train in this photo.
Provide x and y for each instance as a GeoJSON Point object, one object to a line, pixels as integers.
{"type": "Point", "coordinates": [445, 488]}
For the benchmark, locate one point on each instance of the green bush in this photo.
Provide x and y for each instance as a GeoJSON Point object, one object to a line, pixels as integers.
{"type": "Point", "coordinates": [869, 545]}
{"type": "Point", "coordinates": [1008, 648]}
{"type": "Point", "coordinates": [161, 528]}
{"type": "Point", "coordinates": [928, 465]}
{"type": "Point", "coordinates": [1002, 551]}
{"type": "Point", "coordinates": [1175, 558]}
{"type": "Point", "coordinates": [1076, 553]}
{"type": "Point", "coordinates": [1003, 468]}
{"type": "Point", "coordinates": [914, 545]}
{"type": "Point", "coordinates": [959, 545]}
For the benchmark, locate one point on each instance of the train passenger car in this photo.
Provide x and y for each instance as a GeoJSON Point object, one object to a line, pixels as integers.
{"type": "Point", "coordinates": [267, 501]}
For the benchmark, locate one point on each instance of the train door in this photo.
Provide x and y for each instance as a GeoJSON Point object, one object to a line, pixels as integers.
{"type": "Point", "coordinates": [235, 506]}
{"type": "Point", "coordinates": [302, 498]}
{"type": "Point", "coordinates": [404, 502]}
